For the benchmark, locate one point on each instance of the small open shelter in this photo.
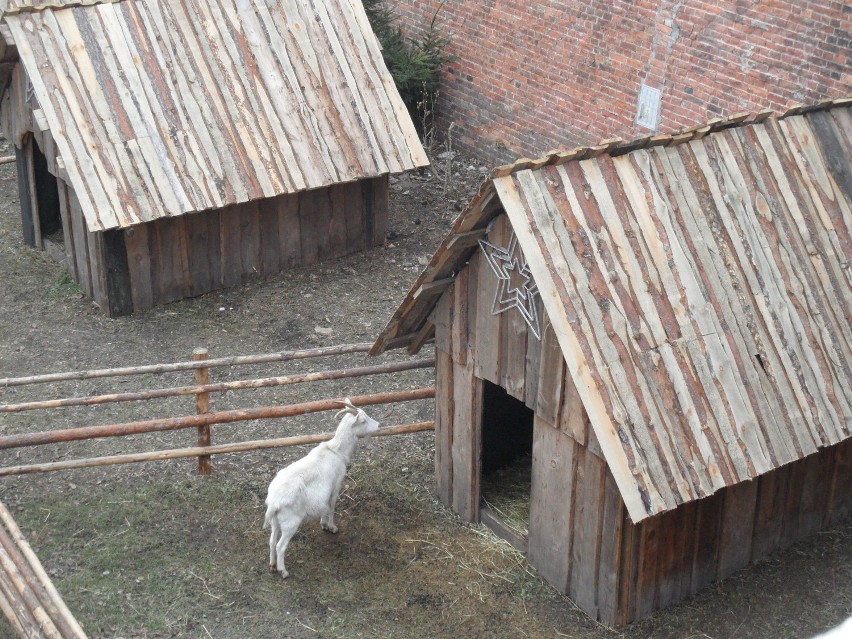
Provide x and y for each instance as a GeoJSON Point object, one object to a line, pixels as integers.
{"type": "Point", "coordinates": [660, 330]}
{"type": "Point", "coordinates": [168, 149]}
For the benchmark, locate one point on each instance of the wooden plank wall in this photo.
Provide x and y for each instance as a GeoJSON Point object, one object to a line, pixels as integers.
{"type": "Point", "coordinates": [174, 258]}
{"type": "Point", "coordinates": [16, 116]}
{"type": "Point", "coordinates": [472, 345]}
{"type": "Point", "coordinates": [580, 536]}
{"type": "Point", "coordinates": [672, 556]}
{"type": "Point", "coordinates": [83, 249]}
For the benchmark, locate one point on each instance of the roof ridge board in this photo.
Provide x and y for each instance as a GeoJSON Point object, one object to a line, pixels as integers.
{"type": "Point", "coordinates": [616, 146]}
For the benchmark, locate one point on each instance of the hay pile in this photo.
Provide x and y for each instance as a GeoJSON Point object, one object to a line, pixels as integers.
{"type": "Point", "coordinates": [506, 491]}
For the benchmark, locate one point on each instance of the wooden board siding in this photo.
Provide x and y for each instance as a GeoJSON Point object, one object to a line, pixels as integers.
{"type": "Point", "coordinates": [161, 109]}
{"type": "Point", "coordinates": [174, 258]}
{"type": "Point", "coordinates": [674, 555]}
{"type": "Point", "coordinates": [16, 111]}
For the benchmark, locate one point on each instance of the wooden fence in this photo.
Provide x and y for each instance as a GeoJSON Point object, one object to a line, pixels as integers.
{"type": "Point", "coordinates": [28, 598]}
{"type": "Point", "coordinates": [203, 418]}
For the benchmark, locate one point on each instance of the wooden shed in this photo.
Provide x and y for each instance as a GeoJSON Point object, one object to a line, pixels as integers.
{"type": "Point", "coordinates": [658, 332]}
{"type": "Point", "coordinates": [169, 149]}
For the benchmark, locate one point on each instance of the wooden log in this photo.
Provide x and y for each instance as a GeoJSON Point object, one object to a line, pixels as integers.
{"type": "Point", "coordinates": [13, 574]}
{"type": "Point", "coordinates": [216, 449]}
{"type": "Point", "coordinates": [11, 615]}
{"type": "Point", "coordinates": [38, 569]}
{"type": "Point", "coordinates": [36, 586]}
{"type": "Point", "coordinates": [342, 349]}
{"type": "Point", "coordinates": [192, 421]}
{"type": "Point", "coordinates": [202, 407]}
{"type": "Point", "coordinates": [20, 615]}
{"type": "Point", "coordinates": [265, 382]}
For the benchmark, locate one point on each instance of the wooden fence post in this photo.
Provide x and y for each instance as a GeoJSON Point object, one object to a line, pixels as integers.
{"type": "Point", "coordinates": [202, 407]}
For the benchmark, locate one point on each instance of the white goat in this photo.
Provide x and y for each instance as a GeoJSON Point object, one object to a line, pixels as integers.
{"type": "Point", "coordinates": [308, 488]}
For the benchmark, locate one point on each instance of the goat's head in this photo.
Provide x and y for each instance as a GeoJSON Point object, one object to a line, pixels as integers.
{"type": "Point", "coordinates": [362, 424]}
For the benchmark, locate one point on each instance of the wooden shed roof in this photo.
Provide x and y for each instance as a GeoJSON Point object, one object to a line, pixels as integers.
{"type": "Point", "coordinates": [162, 108]}
{"type": "Point", "coordinates": [700, 289]}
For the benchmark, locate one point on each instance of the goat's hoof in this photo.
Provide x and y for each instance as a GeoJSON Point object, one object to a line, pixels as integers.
{"type": "Point", "coordinates": [331, 529]}
{"type": "Point", "coordinates": [284, 574]}
{"type": "Point", "coordinates": [273, 568]}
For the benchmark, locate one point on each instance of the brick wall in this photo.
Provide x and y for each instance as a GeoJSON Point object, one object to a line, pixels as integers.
{"type": "Point", "coordinates": [532, 76]}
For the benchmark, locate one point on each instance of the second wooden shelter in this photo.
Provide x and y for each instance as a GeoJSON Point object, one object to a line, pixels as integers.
{"type": "Point", "coordinates": [169, 149]}
{"type": "Point", "coordinates": [663, 328]}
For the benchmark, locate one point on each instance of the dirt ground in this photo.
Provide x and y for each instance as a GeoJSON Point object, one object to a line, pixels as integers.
{"type": "Point", "coordinates": [154, 551]}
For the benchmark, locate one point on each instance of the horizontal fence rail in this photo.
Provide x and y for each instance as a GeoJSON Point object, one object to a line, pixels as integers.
{"type": "Point", "coordinates": [218, 449]}
{"type": "Point", "coordinates": [191, 421]}
{"type": "Point", "coordinates": [239, 360]}
{"type": "Point", "coordinates": [267, 382]}
{"type": "Point", "coordinates": [204, 418]}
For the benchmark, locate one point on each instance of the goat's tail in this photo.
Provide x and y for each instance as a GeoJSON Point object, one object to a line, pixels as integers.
{"type": "Point", "coordinates": [267, 520]}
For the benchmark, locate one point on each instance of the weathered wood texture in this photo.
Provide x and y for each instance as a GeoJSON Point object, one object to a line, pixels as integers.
{"type": "Point", "coordinates": [700, 298]}
{"type": "Point", "coordinates": [161, 109]}
{"type": "Point", "coordinates": [174, 258]}
{"type": "Point", "coordinates": [28, 597]}
{"type": "Point", "coordinates": [474, 344]}
{"type": "Point", "coordinates": [581, 536]}
{"type": "Point", "coordinates": [699, 292]}
{"type": "Point", "coordinates": [672, 556]}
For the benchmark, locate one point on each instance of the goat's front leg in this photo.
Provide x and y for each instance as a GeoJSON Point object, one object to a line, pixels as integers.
{"type": "Point", "coordinates": [327, 521]}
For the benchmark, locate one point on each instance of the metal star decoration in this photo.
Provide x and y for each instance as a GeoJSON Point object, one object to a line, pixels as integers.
{"type": "Point", "coordinates": [516, 287]}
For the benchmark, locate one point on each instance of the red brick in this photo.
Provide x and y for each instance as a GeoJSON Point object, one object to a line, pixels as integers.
{"type": "Point", "coordinates": [558, 73]}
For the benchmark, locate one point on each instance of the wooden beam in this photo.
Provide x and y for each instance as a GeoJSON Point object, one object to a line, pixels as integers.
{"type": "Point", "coordinates": [489, 519]}
{"type": "Point", "coordinates": [426, 333]}
{"type": "Point", "coordinates": [222, 387]}
{"type": "Point", "coordinates": [466, 239]}
{"type": "Point", "coordinates": [430, 289]}
{"type": "Point", "coordinates": [40, 120]}
{"type": "Point", "coordinates": [6, 35]}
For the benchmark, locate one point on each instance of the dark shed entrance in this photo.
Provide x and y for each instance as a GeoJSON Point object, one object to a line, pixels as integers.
{"type": "Point", "coordinates": [46, 195]}
{"type": "Point", "coordinates": [507, 440]}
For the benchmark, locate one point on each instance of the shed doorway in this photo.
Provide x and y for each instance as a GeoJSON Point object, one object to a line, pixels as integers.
{"type": "Point", "coordinates": [507, 439]}
{"type": "Point", "coordinates": [41, 212]}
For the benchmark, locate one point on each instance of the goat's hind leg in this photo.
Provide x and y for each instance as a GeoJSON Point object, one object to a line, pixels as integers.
{"type": "Point", "coordinates": [273, 538]}
{"type": "Point", "coordinates": [288, 528]}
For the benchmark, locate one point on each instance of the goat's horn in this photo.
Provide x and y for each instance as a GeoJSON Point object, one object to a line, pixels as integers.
{"type": "Point", "coordinates": [349, 407]}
